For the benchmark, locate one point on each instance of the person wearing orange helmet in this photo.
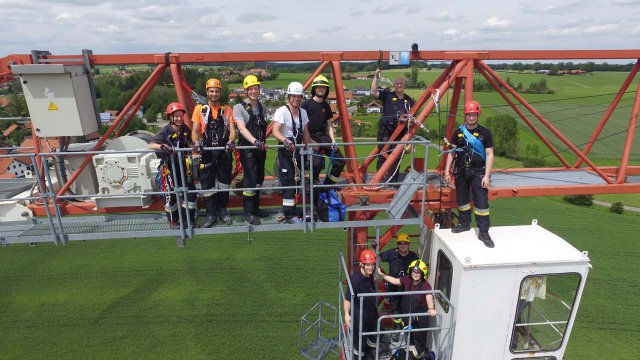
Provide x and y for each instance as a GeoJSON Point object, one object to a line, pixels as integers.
{"type": "Point", "coordinates": [362, 283]}
{"type": "Point", "coordinates": [251, 121]}
{"type": "Point", "coordinates": [213, 126]}
{"type": "Point", "coordinates": [416, 280]}
{"type": "Point", "coordinates": [472, 156]}
{"type": "Point", "coordinates": [175, 135]}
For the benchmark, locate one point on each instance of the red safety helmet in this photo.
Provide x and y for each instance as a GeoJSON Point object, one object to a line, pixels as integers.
{"type": "Point", "coordinates": [472, 107]}
{"type": "Point", "coordinates": [173, 107]}
{"type": "Point", "coordinates": [367, 257]}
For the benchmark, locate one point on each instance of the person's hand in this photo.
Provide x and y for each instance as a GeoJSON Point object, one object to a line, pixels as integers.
{"type": "Point", "coordinates": [380, 271]}
{"type": "Point", "coordinates": [432, 312]}
{"type": "Point", "coordinates": [347, 318]}
{"type": "Point", "coordinates": [168, 149]}
{"type": "Point", "coordinates": [447, 177]}
{"type": "Point", "coordinates": [260, 145]}
{"type": "Point", "coordinates": [486, 180]}
{"type": "Point", "coordinates": [334, 145]}
{"type": "Point", "coordinates": [197, 147]}
{"type": "Point", "coordinates": [289, 145]}
{"type": "Point", "coordinates": [230, 147]}
{"type": "Point", "coordinates": [378, 73]}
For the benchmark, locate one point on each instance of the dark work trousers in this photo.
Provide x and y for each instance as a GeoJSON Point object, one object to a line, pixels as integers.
{"type": "Point", "coordinates": [217, 168]}
{"type": "Point", "coordinates": [384, 133]}
{"type": "Point", "coordinates": [369, 323]}
{"type": "Point", "coordinates": [337, 164]}
{"type": "Point", "coordinates": [287, 178]}
{"type": "Point", "coordinates": [468, 182]}
{"type": "Point", "coordinates": [419, 338]}
{"type": "Point", "coordinates": [253, 168]}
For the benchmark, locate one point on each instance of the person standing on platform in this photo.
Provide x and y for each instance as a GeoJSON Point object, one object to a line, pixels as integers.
{"type": "Point", "coordinates": [251, 124]}
{"type": "Point", "coordinates": [213, 126]}
{"type": "Point", "coordinates": [175, 135]}
{"type": "Point", "coordinates": [321, 131]}
{"type": "Point", "coordinates": [473, 157]}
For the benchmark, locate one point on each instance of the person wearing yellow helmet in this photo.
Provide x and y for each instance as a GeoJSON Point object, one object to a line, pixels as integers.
{"type": "Point", "coordinates": [213, 126]}
{"type": "Point", "coordinates": [472, 157]}
{"type": "Point", "coordinates": [321, 131]}
{"type": "Point", "coordinates": [418, 303]}
{"type": "Point", "coordinates": [398, 259]}
{"type": "Point", "coordinates": [251, 122]}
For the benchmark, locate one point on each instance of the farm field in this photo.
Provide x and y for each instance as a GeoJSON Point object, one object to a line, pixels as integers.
{"type": "Point", "coordinates": [225, 297]}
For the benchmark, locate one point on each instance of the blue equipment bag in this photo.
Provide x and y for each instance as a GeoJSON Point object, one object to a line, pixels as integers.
{"type": "Point", "coordinates": [329, 207]}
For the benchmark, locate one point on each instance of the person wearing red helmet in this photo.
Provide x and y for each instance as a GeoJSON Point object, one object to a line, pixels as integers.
{"type": "Point", "coordinates": [362, 283]}
{"type": "Point", "coordinates": [213, 126]}
{"type": "Point", "coordinates": [472, 156]}
{"type": "Point", "coordinates": [416, 280]}
{"type": "Point", "coordinates": [175, 135]}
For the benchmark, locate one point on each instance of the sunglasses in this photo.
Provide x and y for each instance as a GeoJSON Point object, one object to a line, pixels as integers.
{"type": "Point", "coordinates": [403, 243]}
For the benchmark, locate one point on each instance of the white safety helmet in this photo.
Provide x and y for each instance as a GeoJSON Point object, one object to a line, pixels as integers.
{"type": "Point", "coordinates": [295, 88]}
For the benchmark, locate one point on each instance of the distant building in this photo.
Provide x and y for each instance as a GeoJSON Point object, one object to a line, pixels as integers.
{"type": "Point", "coordinates": [373, 108]}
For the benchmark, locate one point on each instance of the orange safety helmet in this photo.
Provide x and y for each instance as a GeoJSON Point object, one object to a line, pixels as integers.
{"type": "Point", "coordinates": [367, 257]}
{"type": "Point", "coordinates": [472, 107]}
{"type": "Point", "coordinates": [173, 107]}
{"type": "Point", "coordinates": [213, 83]}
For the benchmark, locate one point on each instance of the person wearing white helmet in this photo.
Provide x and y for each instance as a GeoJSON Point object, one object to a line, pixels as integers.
{"type": "Point", "coordinates": [290, 129]}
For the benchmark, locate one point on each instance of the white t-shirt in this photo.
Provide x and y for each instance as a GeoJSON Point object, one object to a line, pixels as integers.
{"type": "Point", "coordinates": [283, 116]}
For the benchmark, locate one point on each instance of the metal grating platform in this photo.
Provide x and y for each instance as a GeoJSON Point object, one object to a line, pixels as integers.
{"type": "Point", "coordinates": [504, 179]}
{"type": "Point", "coordinates": [12, 187]}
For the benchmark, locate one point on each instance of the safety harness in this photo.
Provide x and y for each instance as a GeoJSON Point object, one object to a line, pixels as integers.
{"type": "Point", "coordinates": [257, 125]}
{"type": "Point", "coordinates": [474, 144]}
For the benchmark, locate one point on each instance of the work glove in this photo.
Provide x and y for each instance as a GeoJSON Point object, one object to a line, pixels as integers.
{"type": "Point", "coordinates": [260, 145]}
{"type": "Point", "coordinates": [230, 146]}
{"type": "Point", "coordinates": [168, 149]}
{"type": "Point", "coordinates": [289, 145]}
{"type": "Point", "coordinates": [197, 148]}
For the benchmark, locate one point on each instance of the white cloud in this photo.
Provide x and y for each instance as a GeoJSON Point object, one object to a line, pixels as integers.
{"type": "Point", "coordinates": [255, 17]}
{"type": "Point", "coordinates": [66, 17]}
{"type": "Point", "coordinates": [626, 2]}
{"type": "Point", "coordinates": [601, 28]}
{"type": "Point", "coordinates": [495, 23]}
{"type": "Point", "coordinates": [298, 36]}
{"type": "Point", "coordinates": [441, 16]}
{"type": "Point", "coordinates": [553, 31]}
{"type": "Point", "coordinates": [269, 37]}
{"type": "Point", "coordinates": [450, 32]}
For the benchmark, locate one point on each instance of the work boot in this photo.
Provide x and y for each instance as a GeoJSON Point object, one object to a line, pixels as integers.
{"type": "Point", "coordinates": [251, 219]}
{"type": "Point", "coordinates": [225, 217]}
{"type": "Point", "coordinates": [211, 220]}
{"type": "Point", "coordinates": [460, 228]}
{"type": "Point", "coordinates": [486, 239]}
{"type": "Point", "coordinates": [293, 220]}
{"type": "Point", "coordinates": [257, 211]}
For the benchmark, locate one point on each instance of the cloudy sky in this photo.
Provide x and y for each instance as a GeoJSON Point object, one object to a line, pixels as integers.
{"type": "Point", "coordinates": [158, 26]}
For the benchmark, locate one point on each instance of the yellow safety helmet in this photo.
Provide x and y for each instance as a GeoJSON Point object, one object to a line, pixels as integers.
{"type": "Point", "coordinates": [213, 83]}
{"type": "Point", "coordinates": [403, 237]}
{"type": "Point", "coordinates": [320, 80]}
{"type": "Point", "coordinates": [420, 265]}
{"type": "Point", "coordinates": [249, 81]}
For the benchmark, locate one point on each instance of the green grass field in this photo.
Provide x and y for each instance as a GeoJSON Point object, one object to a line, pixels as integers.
{"type": "Point", "coordinates": [223, 297]}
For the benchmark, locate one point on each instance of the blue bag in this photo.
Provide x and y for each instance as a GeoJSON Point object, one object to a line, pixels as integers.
{"type": "Point", "coordinates": [329, 208]}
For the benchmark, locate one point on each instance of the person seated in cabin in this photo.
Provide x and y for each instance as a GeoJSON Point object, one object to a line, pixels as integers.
{"type": "Point", "coordinates": [213, 126]}
{"type": "Point", "coordinates": [473, 154]}
{"type": "Point", "coordinates": [251, 123]}
{"type": "Point", "coordinates": [321, 131]}
{"type": "Point", "coordinates": [175, 135]}
{"type": "Point", "coordinates": [394, 104]}
{"type": "Point", "coordinates": [362, 283]}
{"type": "Point", "coordinates": [399, 259]}
{"type": "Point", "coordinates": [418, 303]}
{"type": "Point", "coordinates": [290, 128]}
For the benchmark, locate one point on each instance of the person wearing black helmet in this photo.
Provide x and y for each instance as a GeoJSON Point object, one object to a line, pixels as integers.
{"type": "Point", "coordinates": [418, 303]}
{"type": "Point", "coordinates": [175, 135]}
{"type": "Point", "coordinates": [321, 130]}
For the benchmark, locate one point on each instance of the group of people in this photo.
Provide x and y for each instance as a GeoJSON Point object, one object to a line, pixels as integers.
{"type": "Point", "coordinates": [406, 273]}
{"type": "Point", "coordinates": [214, 125]}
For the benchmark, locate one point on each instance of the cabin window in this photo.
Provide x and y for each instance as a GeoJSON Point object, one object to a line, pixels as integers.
{"type": "Point", "coordinates": [545, 303]}
{"type": "Point", "coordinates": [444, 275]}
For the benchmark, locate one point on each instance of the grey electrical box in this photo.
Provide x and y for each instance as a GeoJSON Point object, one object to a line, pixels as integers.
{"type": "Point", "coordinates": [59, 98]}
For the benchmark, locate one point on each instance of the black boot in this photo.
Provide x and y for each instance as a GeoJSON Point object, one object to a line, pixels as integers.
{"type": "Point", "coordinates": [174, 220]}
{"type": "Point", "coordinates": [192, 218]}
{"type": "Point", "coordinates": [464, 222]}
{"type": "Point", "coordinates": [249, 207]}
{"type": "Point", "coordinates": [256, 210]}
{"type": "Point", "coordinates": [486, 239]}
{"type": "Point", "coordinates": [210, 203]}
